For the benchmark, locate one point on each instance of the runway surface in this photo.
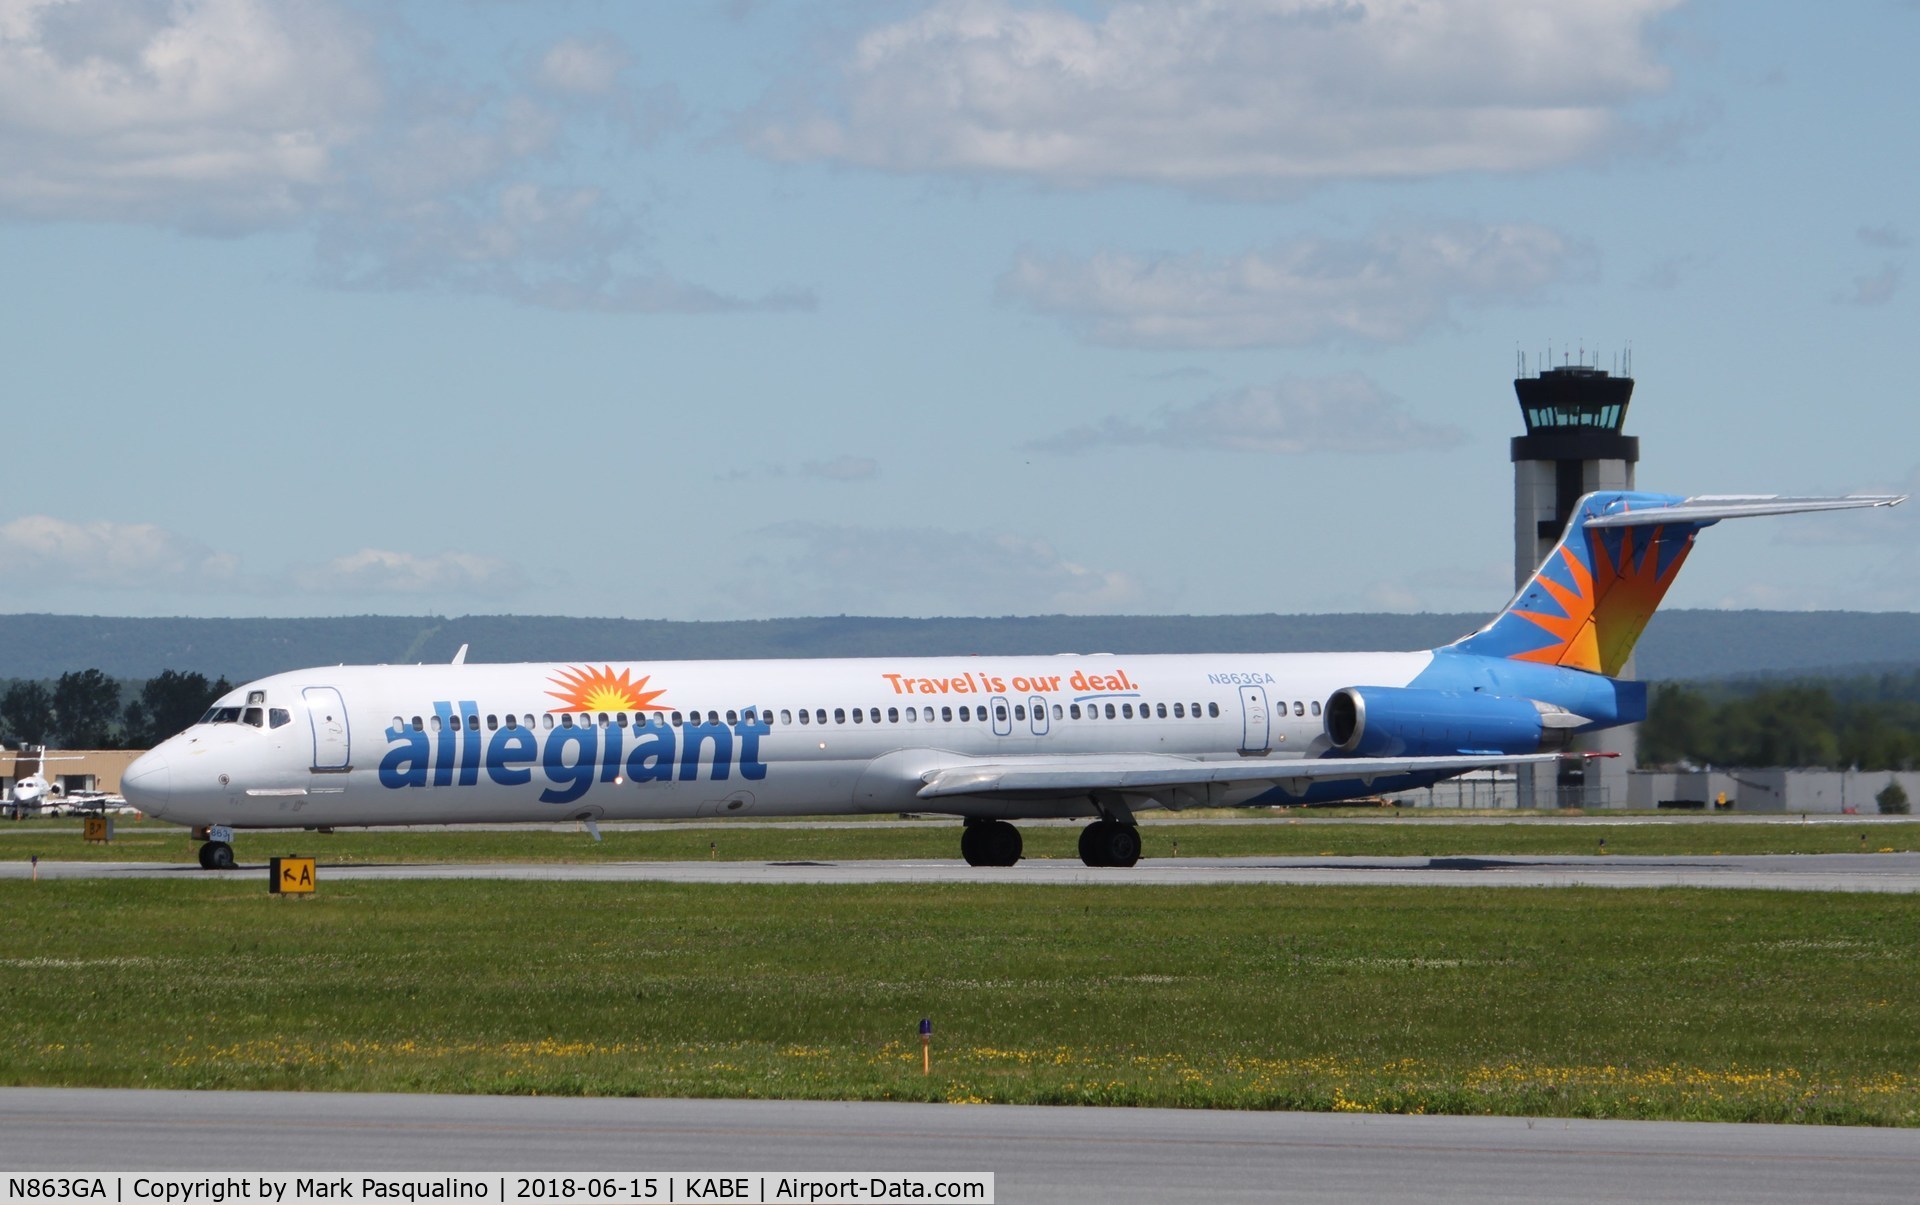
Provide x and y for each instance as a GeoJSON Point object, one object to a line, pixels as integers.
{"type": "Point", "coordinates": [1897, 873]}
{"type": "Point", "coordinates": [1036, 1154]}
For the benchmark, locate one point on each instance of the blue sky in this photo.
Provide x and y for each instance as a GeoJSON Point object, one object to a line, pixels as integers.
{"type": "Point", "coordinates": [739, 310]}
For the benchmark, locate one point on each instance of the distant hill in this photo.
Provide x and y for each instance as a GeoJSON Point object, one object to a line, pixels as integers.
{"type": "Point", "coordinates": [1690, 645]}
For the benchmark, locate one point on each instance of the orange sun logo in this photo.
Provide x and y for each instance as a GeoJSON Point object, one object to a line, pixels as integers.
{"type": "Point", "coordinates": [601, 690]}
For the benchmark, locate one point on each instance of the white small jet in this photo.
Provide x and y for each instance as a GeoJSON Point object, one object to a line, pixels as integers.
{"type": "Point", "coordinates": [988, 740]}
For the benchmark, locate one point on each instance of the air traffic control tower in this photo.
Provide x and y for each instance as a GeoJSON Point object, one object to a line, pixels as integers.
{"type": "Point", "coordinates": [1573, 445]}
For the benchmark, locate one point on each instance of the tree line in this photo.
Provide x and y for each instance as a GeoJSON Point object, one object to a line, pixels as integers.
{"type": "Point", "coordinates": [83, 710]}
{"type": "Point", "coordinates": [1866, 723]}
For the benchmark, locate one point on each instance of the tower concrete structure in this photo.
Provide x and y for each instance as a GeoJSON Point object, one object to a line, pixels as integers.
{"type": "Point", "coordinates": [1573, 445]}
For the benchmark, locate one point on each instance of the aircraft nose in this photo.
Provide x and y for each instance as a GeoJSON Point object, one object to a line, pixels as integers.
{"type": "Point", "coordinates": [148, 783]}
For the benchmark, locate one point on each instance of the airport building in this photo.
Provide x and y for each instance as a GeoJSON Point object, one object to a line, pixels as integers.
{"type": "Point", "coordinates": [70, 771]}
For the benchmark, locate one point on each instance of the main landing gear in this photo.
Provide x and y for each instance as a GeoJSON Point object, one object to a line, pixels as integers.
{"type": "Point", "coordinates": [997, 843]}
{"type": "Point", "coordinates": [990, 843]}
{"type": "Point", "coordinates": [216, 855]}
{"type": "Point", "coordinates": [1110, 843]}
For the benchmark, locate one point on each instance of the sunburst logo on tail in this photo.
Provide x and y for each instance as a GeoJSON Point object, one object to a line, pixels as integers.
{"type": "Point", "coordinates": [1605, 599]}
{"type": "Point", "coordinates": [589, 689]}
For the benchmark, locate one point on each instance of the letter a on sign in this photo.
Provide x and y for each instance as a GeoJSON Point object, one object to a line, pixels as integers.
{"type": "Point", "coordinates": [290, 876]}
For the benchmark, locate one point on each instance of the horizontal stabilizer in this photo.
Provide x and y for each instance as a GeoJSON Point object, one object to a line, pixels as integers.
{"type": "Point", "coordinates": [1711, 508]}
{"type": "Point", "coordinates": [1147, 774]}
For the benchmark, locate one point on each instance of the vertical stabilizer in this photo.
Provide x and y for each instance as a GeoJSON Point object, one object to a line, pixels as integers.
{"type": "Point", "coordinates": [1588, 602]}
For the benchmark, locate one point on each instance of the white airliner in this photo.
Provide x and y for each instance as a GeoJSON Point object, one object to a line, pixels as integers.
{"type": "Point", "coordinates": [986, 739]}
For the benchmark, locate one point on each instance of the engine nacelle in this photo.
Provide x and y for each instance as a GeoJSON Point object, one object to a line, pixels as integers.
{"type": "Point", "coordinates": [1391, 721]}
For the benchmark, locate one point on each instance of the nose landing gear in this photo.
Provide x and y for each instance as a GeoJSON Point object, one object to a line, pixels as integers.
{"type": "Point", "coordinates": [216, 855]}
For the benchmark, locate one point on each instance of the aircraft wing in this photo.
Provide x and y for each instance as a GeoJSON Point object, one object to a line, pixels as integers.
{"type": "Point", "coordinates": [1154, 774]}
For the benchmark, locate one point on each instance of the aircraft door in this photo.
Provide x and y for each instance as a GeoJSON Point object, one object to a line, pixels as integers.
{"type": "Point", "coordinates": [1038, 707]}
{"type": "Point", "coordinates": [1002, 716]}
{"type": "Point", "coordinates": [331, 740]}
{"type": "Point", "coordinates": [1256, 722]}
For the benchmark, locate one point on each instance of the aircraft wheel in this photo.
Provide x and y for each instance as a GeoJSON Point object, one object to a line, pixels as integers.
{"type": "Point", "coordinates": [216, 855]}
{"type": "Point", "coordinates": [1109, 843]}
{"type": "Point", "coordinates": [990, 843]}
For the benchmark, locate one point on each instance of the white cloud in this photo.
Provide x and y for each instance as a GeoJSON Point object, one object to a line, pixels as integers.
{"type": "Point", "coordinates": [1875, 289]}
{"type": "Point", "coordinates": [583, 66]}
{"type": "Point", "coordinates": [225, 115]}
{"type": "Point", "coordinates": [1888, 237]}
{"type": "Point", "coordinates": [233, 116]}
{"type": "Point", "coordinates": [1217, 96]}
{"type": "Point", "coordinates": [383, 571]}
{"type": "Point", "coordinates": [1386, 288]}
{"type": "Point", "coordinates": [559, 249]}
{"type": "Point", "coordinates": [42, 551]}
{"type": "Point", "coordinates": [1344, 413]}
{"type": "Point", "coordinates": [837, 569]}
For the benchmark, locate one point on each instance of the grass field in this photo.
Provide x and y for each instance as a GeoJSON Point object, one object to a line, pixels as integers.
{"type": "Point", "coordinates": [1280, 836]}
{"type": "Point", "coordinates": [1724, 1005]}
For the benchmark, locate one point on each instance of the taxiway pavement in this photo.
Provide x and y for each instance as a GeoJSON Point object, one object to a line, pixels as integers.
{"type": "Point", "coordinates": [1874, 872]}
{"type": "Point", "coordinates": [1035, 1153]}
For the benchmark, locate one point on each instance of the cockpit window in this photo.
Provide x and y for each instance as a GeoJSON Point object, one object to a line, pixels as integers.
{"type": "Point", "coordinates": [254, 716]}
{"type": "Point", "coordinates": [278, 717]}
{"type": "Point", "coordinates": [222, 715]}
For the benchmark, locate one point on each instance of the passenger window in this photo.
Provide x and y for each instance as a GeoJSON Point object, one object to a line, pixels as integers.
{"type": "Point", "coordinates": [510, 721]}
{"type": "Point", "coordinates": [1058, 714]}
{"type": "Point", "coordinates": [676, 719]}
{"type": "Point", "coordinates": [1179, 711]}
{"type": "Point", "coordinates": [732, 716]}
{"type": "Point", "coordinates": [399, 725]}
{"type": "Point", "coordinates": [566, 720]}
{"type": "Point", "coordinates": [1160, 709]}
{"type": "Point", "coordinates": [1019, 711]}
{"type": "Point", "coordinates": [946, 714]}
{"type": "Point", "coordinates": [786, 716]}
{"type": "Point", "coordinates": [493, 722]}
{"type": "Point", "coordinates": [804, 716]}
{"type": "Point", "coordinates": [418, 726]}
{"type": "Point", "coordinates": [546, 721]}
{"type": "Point", "coordinates": [1213, 709]}
{"type": "Point", "coordinates": [527, 721]}
{"type": "Point", "coordinates": [839, 715]}
{"type": "Point", "coordinates": [453, 723]}
{"type": "Point", "coordinates": [857, 718]}
{"type": "Point", "coordinates": [433, 722]}
{"type": "Point", "coordinates": [278, 717]}
{"type": "Point", "coordinates": [1316, 707]}
{"type": "Point", "coordinates": [893, 715]}
{"type": "Point", "coordinates": [1299, 708]}
{"type": "Point", "coordinates": [713, 717]}
{"type": "Point", "coordinates": [1074, 711]}
{"type": "Point", "coordinates": [1110, 711]}
{"type": "Point", "coordinates": [1126, 711]}
{"type": "Point", "coordinates": [965, 715]}
{"type": "Point", "coordinates": [473, 723]}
